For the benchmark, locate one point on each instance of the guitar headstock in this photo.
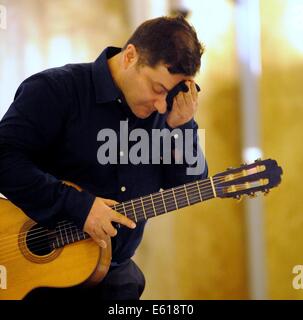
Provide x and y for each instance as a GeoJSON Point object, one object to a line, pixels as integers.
{"type": "Point", "coordinates": [260, 176]}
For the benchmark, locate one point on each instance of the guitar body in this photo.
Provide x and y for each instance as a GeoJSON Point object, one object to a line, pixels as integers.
{"type": "Point", "coordinates": [83, 262]}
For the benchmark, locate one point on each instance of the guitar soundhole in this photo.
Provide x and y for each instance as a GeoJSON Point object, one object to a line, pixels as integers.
{"type": "Point", "coordinates": [38, 242]}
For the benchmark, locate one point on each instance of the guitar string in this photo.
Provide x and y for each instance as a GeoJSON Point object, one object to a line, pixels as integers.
{"type": "Point", "coordinates": [216, 179]}
{"type": "Point", "coordinates": [148, 207]}
{"type": "Point", "coordinates": [69, 226]}
{"type": "Point", "coordinates": [41, 248]}
{"type": "Point", "coordinates": [14, 254]}
{"type": "Point", "coordinates": [175, 190]}
{"type": "Point", "coordinates": [194, 184]}
{"type": "Point", "coordinates": [48, 246]}
{"type": "Point", "coordinates": [75, 229]}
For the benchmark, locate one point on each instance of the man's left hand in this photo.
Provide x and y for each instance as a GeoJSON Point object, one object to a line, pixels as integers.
{"type": "Point", "coordinates": [184, 106]}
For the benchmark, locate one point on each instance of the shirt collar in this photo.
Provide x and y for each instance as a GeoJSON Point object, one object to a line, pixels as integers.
{"type": "Point", "coordinates": [105, 88]}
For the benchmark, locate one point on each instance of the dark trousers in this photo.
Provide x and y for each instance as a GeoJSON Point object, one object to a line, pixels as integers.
{"type": "Point", "coordinates": [123, 282]}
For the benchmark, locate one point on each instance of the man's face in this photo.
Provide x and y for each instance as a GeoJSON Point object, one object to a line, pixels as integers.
{"type": "Point", "coordinates": [146, 88]}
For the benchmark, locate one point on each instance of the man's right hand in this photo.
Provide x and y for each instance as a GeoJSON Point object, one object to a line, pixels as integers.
{"type": "Point", "coordinates": [98, 223]}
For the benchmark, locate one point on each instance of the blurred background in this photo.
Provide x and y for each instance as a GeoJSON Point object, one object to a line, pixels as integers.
{"type": "Point", "coordinates": [250, 106]}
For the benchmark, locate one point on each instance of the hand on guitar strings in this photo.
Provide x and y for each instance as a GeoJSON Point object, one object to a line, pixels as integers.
{"type": "Point", "coordinates": [98, 223]}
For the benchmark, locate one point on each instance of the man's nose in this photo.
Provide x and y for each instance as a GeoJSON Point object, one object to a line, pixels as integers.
{"type": "Point", "coordinates": [160, 105]}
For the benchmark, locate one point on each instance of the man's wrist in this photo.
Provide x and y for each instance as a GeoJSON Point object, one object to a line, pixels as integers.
{"type": "Point", "coordinates": [185, 125]}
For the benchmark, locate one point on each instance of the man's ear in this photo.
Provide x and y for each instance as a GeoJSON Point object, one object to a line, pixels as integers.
{"type": "Point", "coordinates": [130, 56]}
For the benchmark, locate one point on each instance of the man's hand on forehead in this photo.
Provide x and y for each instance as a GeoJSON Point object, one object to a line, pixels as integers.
{"type": "Point", "coordinates": [183, 86]}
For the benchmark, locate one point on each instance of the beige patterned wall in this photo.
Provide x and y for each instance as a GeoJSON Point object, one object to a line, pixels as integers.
{"type": "Point", "coordinates": [282, 133]}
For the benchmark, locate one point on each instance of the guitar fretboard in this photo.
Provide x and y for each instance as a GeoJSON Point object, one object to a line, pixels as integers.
{"type": "Point", "coordinates": [143, 208]}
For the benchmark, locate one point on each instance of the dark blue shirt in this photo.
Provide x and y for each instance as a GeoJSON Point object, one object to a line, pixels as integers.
{"type": "Point", "coordinates": [49, 134]}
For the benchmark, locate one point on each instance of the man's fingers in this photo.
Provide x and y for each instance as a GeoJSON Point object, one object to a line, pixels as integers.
{"type": "Point", "coordinates": [193, 90]}
{"type": "Point", "coordinates": [117, 217]}
{"type": "Point", "coordinates": [100, 238]}
{"type": "Point", "coordinates": [109, 202]}
{"type": "Point", "coordinates": [110, 230]}
{"type": "Point", "coordinates": [102, 244]}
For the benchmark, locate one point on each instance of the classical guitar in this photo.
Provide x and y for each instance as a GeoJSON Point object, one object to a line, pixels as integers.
{"type": "Point", "coordinates": [33, 256]}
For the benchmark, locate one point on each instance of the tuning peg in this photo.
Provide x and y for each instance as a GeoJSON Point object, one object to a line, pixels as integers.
{"type": "Point", "coordinates": [252, 195]}
{"type": "Point", "coordinates": [258, 159]}
{"type": "Point", "coordinates": [230, 168]}
{"type": "Point", "coordinates": [243, 164]}
{"type": "Point", "coordinates": [266, 192]}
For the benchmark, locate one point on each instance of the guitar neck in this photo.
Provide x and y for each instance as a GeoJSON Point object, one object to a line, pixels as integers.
{"type": "Point", "coordinates": [143, 208]}
{"type": "Point", "coordinates": [168, 200]}
{"type": "Point", "coordinates": [248, 179]}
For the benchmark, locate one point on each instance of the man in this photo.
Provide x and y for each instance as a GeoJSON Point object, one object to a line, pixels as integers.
{"type": "Point", "coordinates": [50, 134]}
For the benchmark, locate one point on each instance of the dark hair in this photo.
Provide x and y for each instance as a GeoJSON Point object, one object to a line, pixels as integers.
{"type": "Point", "coordinates": [170, 40]}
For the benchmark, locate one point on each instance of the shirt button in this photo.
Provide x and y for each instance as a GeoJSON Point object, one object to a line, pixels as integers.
{"type": "Point", "coordinates": [176, 136]}
{"type": "Point", "coordinates": [123, 189]}
{"type": "Point", "coordinates": [119, 100]}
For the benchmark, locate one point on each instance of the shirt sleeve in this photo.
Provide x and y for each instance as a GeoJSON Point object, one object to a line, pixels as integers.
{"type": "Point", "coordinates": [30, 126]}
{"type": "Point", "coordinates": [188, 162]}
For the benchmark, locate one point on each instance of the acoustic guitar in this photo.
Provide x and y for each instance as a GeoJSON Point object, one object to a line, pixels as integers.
{"type": "Point", "coordinates": [33, 256]}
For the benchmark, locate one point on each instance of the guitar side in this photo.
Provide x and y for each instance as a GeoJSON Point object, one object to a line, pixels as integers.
{"type": "Point", "coordinates": [83, 262]}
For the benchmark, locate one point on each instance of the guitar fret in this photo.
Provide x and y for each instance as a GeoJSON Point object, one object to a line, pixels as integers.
{"type": "Point", "coordinates": [62, 241]}
{"type": "Point", "coordinates": [152, 201]}
{"type": "Point", "coordinates": [207, 190]}
{"type": "Point", "coordinates": [134, 210]}
{"type": "Point", "coordinates": [173, 190]}
{"type": "Point", "coordinates": [71, 232]}
{"type": "Point", "coordinates": [57, 240]}
{"type": "Point", "coordinates": [199, 190]}
{"type": "Point", "coordinates": [159, 204]}
{"type": "Point", "coordinates": [143, 208]}
{"type": "Point", "coordinates": [66, 235]}
{"type": "Point", "coordinates": [181, 197]}
{"type": "Point", "coordinates": [148, 207]}
{"type": "Point", "coordinates": [185, 189]}
{"type": "Point", "coordinates": [213, 187]}
{"type": "Point", "coordinates": [124, 209]}
{"type": "Point", "coordinates": [139, 208]}
{"type": "Point", "coordinates": [129, 210]}
{"type": "Point", "coordinates": [163, 201]}
{"type": "Point", "coordinates": [168, 197]}
{"type": "Point", "coordinates": [77, 233]}
{"type": "Point", "coordinates": [193, 196]}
